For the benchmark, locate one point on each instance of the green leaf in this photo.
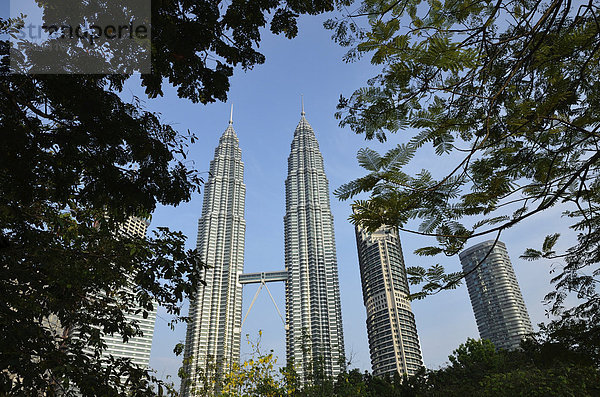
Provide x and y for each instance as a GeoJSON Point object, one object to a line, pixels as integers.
{"type": "Point", "coordinates": [357, 186]}
{"type": "Point", "coordinates": [398, 157]}
{"type": "Point", "coordinates": [428, 251]}
{"type": "Point", "coordinates": [369, 159]}
{"type": "Point", "coordinates": [531, 254]}
{"type": "Point", "coordinates": [549, 242]}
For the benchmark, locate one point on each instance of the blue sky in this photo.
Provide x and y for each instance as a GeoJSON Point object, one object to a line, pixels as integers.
{"type": "Point", "coordinates": [267, 110]}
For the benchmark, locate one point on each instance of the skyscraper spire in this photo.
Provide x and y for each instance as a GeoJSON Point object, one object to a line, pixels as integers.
{"type": "Point", "coordinates": [302, 99]}
{"type": "Point", "coordinates": [313, 310]}
{"type": "Point", "coordinates": [231, 115]}
{"type": "Point", "coordinates": [213, 334]}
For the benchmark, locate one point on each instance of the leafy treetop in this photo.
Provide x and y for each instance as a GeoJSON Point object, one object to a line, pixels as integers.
{"type": "Point", "coordinates": [507, 90]}
{"type": "Point", "coordinates": [76, 161]}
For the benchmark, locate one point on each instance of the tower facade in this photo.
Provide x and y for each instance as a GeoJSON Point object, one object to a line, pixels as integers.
{"type": "Point", "coordinates": [495, 295]}
{"type": "Point", "coordinates": [393, 340]}
{"type": "Point", "coordinates": [137, 348]}
{"type": "Point", "coordinates": [314, 335]}
{"type": "Point", "coordinates": [213, 335]}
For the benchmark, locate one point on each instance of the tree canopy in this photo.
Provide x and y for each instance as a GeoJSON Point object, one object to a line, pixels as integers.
{"type": "Point", "coordinates": [508, 91]}
{"type": "Point", "coordinates": [76, 160]}
{"type": "Point", "coordinates": [557, 362]}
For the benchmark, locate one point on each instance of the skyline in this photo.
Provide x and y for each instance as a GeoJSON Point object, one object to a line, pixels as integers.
{"type": "Point", "coordinates": [267, 311]}
{"type": "Point", "coordinates": [264, 128]}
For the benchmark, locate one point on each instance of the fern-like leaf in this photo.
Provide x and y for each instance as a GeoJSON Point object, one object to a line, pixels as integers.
{"type": "Point", "coordinates": [398, 157]}
{"type": "Point", "coordinates": [549, 242]}
{"type": "Point", "coordinates": [530, 254]}
{"type": "Point", "coordinates": [369, 159]}
{"type": "Point", "coordinates": [428, 251]}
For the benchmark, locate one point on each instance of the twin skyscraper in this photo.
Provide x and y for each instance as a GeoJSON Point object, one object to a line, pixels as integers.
{"type": "Point", "coordinates": [314, 331]}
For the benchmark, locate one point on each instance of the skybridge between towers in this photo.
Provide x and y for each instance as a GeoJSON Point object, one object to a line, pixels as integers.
{"type": "Point", "coordinates": [263, 278]}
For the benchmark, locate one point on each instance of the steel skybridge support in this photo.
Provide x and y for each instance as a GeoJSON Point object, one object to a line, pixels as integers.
{"type": "Point", "coordinates": [263, 278]}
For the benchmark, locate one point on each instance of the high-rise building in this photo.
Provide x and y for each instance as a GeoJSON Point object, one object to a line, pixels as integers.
{"type": "Point", "coordinates": [213, 335]}
{"type": "Point", "coordinates": [393, 339]}
{"type": "Point", "coordinates": [137, 348]}
{"type": "Point", "coordinates": [497, 302]}
{"type": "Point", "coordinates": [314, 334]}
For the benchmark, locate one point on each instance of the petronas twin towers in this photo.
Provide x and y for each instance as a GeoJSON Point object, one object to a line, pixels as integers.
{"type": "Point", "coordinates": [314, 333]}
{"type": "Point", "coordinates": [213, 334]}
{"type": "Point", "coordinates": [314, 316]}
